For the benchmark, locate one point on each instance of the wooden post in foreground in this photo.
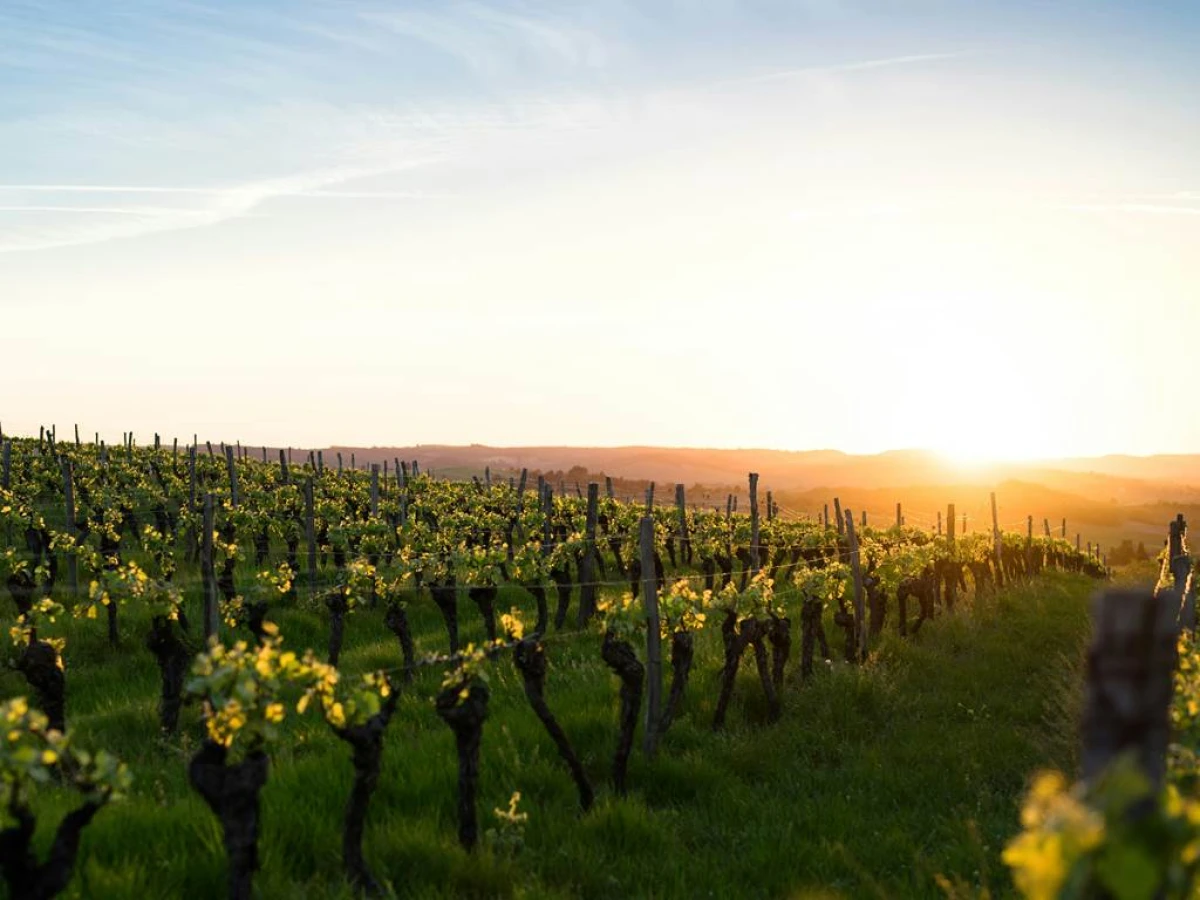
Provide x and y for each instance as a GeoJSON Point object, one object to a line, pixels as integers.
{"type": "Point", "coordinates": [1130, 681]}
{"type": "Point", "coordinates": [653, 638]}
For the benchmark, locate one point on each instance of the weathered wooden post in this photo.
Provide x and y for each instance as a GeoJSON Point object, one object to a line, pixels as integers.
{"type": "Point", "coordinates": [998, 544]}
{"type": "Point", "coordinates": [310, 535]}
{"type": "Point", "coordinates": [284, 475]}
{"type": "Point", "coordinates": [207, 573]}
{"type": "Point", "coordinates": [952, 583]}
{"type": "Point", "coordinates": [754, 523]}
{"type": "Point", "coordinates": [685, 548]}
{"type": "Point", "coordinates": [1181, 572]}
{"type": "Point", "coordinates": [1130, 682]}
{"type": "Point", "coordinates": [374, 489]}
{"type": "Point", "coordinates": [653, 638]}
{"type": "Point", "coordinates": [860, 618]}
{"type": "Point", "coordinates": [587, 563]}
{"type": "Point", "coordinates": [837, 510]}
{"type": "Point", "coordinates": [69, 494]}
{"type": "Point", "coordinates": [233, 480]}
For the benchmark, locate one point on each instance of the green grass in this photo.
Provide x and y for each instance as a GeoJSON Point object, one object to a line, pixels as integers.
{"type": "Point", "coordinates": [875, 782]}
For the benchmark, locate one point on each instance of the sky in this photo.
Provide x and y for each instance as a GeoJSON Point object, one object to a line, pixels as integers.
{"type": "Point", "coordinates": [796, 224]}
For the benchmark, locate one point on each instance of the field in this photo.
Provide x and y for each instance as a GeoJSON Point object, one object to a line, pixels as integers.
{"type": "Point", "coordinates": [874, 782]}
{"type": "Point", "coordinates": [891, 764]}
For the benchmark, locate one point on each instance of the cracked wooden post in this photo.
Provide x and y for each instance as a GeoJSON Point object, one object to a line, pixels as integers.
{"type": "Point", "coordinates": [1181, 572]}
{"type": "Point", "coordinates": [1130, 681]}
{"type": "Point", "coordinates": [860, 618]}
{"type": "Point", "coordinates": [207, 573]}
{"type": "Point", "coordinates": [587, 562]}
{"type": "Point", "coordinates": [69, 496]}
{"type": "Point", "coordinates": [837, 511]}
{"type": "Point", "coordinates": [685, 553]}
{"type": "Point", "coordinates": [754, 522]}
{"type": "Point", "coordinates": [952, 584]}
{"type": "Point", "coordinates": [310, 535]}
{"type": "Point", "coordinates": [653, 637]}
{"type": "Point", "coordinates": [233, 480]}
{"type": "Point", "coordinates": [998, 543]}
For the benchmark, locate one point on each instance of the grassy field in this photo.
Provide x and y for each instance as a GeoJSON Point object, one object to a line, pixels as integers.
{"type": "Point", "coordinates": [876, 783]}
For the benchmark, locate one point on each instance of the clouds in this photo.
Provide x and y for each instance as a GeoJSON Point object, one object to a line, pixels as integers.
{"type": "Point", "coordinates": [74, 224]}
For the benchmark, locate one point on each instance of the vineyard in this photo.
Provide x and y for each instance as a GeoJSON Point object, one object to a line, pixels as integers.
{"type": "Point", "coordinates": [231, 675]}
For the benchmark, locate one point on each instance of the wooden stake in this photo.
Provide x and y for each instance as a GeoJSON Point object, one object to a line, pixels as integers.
{"type": "Point", "coordinates": [207, 573]}
{"type": "Point", "coordinates": [1130, 682]}
{"type": "Point", "coordinates": [998, 544]}
{"type": "Point", "coordinates": [69, 494]}
{"type": "Point", "coordinates": [653, 638]}
{"type": "Point", "coordinates": [587, 563]}
{"type": "Point", "coordinates": [233, 481]}
{"type": "Point", "coordinates": [860, 618]}
{"type": "Point", "coordinates": [310, 535]}
{"type": "Point", "coordinates": [754, 523]}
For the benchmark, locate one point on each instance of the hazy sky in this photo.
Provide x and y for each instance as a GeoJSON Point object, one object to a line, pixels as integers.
{"type": "Point", "coordinates": [972, 226]}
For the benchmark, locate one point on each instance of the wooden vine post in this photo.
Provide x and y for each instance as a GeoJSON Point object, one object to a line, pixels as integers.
{"type": "Point", "coordinates": [1130, 681]}
{"type": "Point", "coordinates": [899, 516]}
{"type": "Point", "coordinates": [653, 637]}
{"type": "Point", "coordinates": [952, 581]}
{"type": "Point", "coordinates": [283, 467]}
{"type": "Point", "coordinates": [233, 480]}
{"type": "Point", "coordinates": [69, 494]}
{"type": "Point", "coordinates": [7, 473]}
{"type": "Point", "coordinates": [685, 547]}
{"type": "Point", "coordinates": [207, 574]}
{"type": "Point", "coordinates": [998, 544]}
{"type": "Point", "coordinates": [1029, 546]}
{"type": "Point", "coordinates": [1180, 563]}
{"type": "Point", "coordinates": [860, 618]}
{"type": "Point", "coordinates": [587, 563]}
{"type": "Point", "coordinates": [837, 511]}
{"type": "Point", "coordinates": [754, 522]}
{"type": "Point", "coordinates": [310, 536]}
{"type": "Point", "coordinates": [374, 489]}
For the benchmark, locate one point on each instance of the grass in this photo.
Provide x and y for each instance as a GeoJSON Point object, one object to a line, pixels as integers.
{"type": "Point", "coordinates": [876, 782]}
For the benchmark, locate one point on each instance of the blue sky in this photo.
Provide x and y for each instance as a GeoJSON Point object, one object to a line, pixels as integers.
{"type": "Point", "coordinates": [473, 176]}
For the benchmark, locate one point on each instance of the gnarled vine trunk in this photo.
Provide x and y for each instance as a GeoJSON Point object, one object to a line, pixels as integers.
{"type": "Point", "coordinates": [619, 656]}
{"type": "Point", "coordinates": [466, 716]}
{"type": "Point", "coordinates": [232, 793]}
{"type": "Point", "coordinates": [530, 657]}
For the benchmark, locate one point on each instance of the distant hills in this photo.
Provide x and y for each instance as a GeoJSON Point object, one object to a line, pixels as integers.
{"type": "Point", "coordinates": [1105, 498]}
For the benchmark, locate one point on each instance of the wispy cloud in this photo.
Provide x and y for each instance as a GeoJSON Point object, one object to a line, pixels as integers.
{"type": "Point", "coordinates": [1152, 209]}
{"type": "Point", "coordinates": [494, 42]}
{"type": "Point", "coordinates": [220, 204]}
{"type": "Point", "coordinates": [851, 66]}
